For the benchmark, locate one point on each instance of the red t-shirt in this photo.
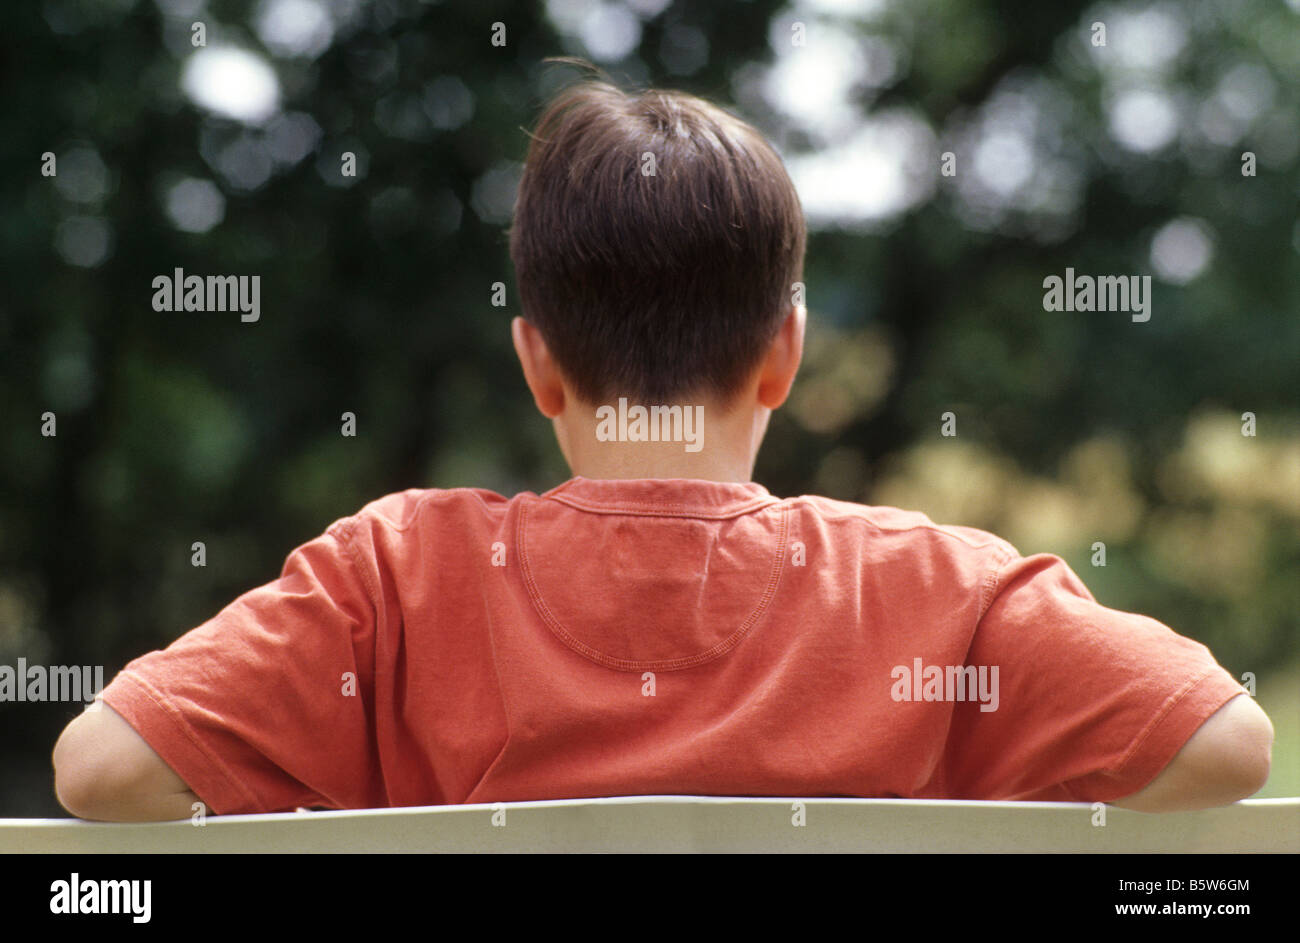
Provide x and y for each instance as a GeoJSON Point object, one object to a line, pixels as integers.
{"type": "Point", "coordinates": [664, 637]}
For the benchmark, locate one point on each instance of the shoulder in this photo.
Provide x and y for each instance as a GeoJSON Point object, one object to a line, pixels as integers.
{"type": "Point", "coordinates": [403, 510]}
{"type": "Point", "coordinates": [906, 526]}
{"type": "Point", "coordinates": [404, 534]}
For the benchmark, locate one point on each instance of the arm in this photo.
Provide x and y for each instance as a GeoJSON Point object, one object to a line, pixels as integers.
{"type": "Point", "coordinates": [1227, 759]}
{"type": "Point", "coordinates": [104, 770]}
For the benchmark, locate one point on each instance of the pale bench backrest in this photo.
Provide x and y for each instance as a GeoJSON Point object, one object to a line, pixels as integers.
{"type": "Point", "coordinates": [692, 824]}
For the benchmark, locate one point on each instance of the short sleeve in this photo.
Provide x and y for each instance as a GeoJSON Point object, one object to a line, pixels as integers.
{"type": "Point", "coordinates": [1092, 702]}
{"type": "Point", "coordinates": [265, 707]}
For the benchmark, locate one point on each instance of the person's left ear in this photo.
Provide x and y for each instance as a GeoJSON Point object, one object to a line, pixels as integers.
{"type": "Point", "coordinates": [781, 363]}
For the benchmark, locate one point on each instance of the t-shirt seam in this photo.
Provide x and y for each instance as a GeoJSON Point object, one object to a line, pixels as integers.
{"type": "Point", "coordinates": [722, 648]}
{"type": "Point", "coordinates": [994, 541]}
{"type": "Point", "coordinates": [993, 579]}
{"type": "Point", "coordinates": [343, 531]}
{"type": "Point", "coordinates": [664, 509]}
{"type": "Point", "coordinates": [177, 716]}
{"type": "Point", "coordinates": [423, 496]}
{"type": "Point", "coordinates": [1170, 704]}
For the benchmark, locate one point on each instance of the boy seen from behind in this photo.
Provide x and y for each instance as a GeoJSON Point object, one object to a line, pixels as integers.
{"type": "Point", "coordinates": [660, 623]}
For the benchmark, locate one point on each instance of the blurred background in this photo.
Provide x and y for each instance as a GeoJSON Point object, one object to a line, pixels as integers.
{"type": "Point", "coordinates": [925, 291]}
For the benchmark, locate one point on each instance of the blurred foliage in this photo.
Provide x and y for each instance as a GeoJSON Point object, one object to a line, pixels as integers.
{"type": "Point", "coordinates": [1072, 427]}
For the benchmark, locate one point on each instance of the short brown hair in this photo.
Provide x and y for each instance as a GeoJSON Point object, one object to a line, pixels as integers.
{"type": "Point", "coordinates": [656, 287]}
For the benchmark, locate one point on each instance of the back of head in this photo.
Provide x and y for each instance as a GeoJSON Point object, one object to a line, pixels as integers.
{"type": "Point", "coordinates": [655, 242]}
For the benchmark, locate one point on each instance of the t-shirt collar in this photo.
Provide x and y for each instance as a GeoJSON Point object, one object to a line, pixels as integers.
{"type": "Point", "coordinates": [675, 497]}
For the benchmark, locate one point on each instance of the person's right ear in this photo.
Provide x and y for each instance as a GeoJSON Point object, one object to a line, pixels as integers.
{"type": "Point", "coordinates": [540, 370]}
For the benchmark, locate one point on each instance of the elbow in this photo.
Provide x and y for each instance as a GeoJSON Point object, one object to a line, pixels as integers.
{"type": "Point", "coordinates": [1246, 755]}
{"type": "Point", "coordinates": [73, 786]}
{"type": "Point", "coordinates": [85, 785]}
{"type": "Point", "coordinates": [1255, 762]}
{"type": "Point", "coordinates": [1238, 765]}
{"type": "Point", "coordinates": [1227, 760]}
{"type": "Point", "coordinates": [75, 798]}
{"type": "Point", "coordinates": [104, 770]}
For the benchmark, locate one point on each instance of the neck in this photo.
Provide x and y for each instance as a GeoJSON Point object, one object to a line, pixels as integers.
{"type": "Point", "coordinates": [695, 441]}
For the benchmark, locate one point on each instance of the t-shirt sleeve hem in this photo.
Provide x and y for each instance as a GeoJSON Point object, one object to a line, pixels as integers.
{"type": "Point", "coordinates": [1156, 747]}
{"type": "Point", "coordinates": [171, 737]}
